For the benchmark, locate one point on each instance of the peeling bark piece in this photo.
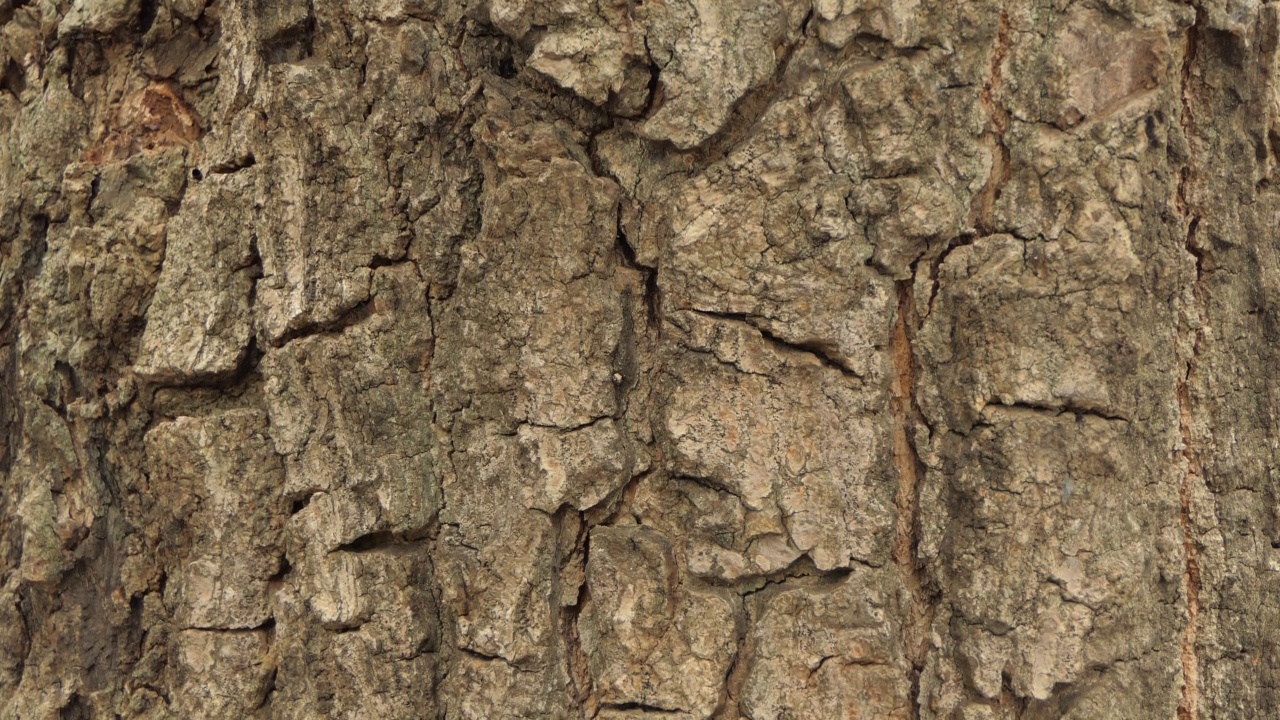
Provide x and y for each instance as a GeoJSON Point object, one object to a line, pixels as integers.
{"type": "Point", "coordinates": [339, 406]}
{"type": "Point", "coordinates": [222, 673]}
{"type": "Point", "coordinates": [199, 323]}
{"type": "Point", "coordinates": [224, 482]}
{"type": "Point", "coordinates": [829, 649]}
{"type": "Point", "coordinates": [784, 434]}
{"type": "Point", "coordinates": [1061, 521]}
{"type": "Point", "coordinates": [651, 641]}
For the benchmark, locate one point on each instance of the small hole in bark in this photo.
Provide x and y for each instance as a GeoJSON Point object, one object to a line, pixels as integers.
{"type": "Point", "coordinates": [300, 504]}
{"type": "Point", "coordinates": [14, 79]}
{"type": "Point", "coordinates": [292, 44]}
{"type": "Point", "coordinates": [76, 709]}
{"type": "Point", "coordinates": [196, 174]}
{"type": "Point", "coordinates": [507, 67]}
{"type": "Point", "coordinates": [286, 567]}
{"type": "Point", "coordinates": [147, 15]}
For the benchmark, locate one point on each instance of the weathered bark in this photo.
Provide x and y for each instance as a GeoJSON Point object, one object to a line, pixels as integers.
{"type": "Point", "coordinates": [683, 358]}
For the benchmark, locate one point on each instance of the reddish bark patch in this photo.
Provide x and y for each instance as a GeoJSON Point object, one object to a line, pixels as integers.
{"type": "Point", "coordinates": [157, 117]}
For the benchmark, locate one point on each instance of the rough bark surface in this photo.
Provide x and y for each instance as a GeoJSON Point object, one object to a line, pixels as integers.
{"type": "Point", "coordinates": [698, 359]}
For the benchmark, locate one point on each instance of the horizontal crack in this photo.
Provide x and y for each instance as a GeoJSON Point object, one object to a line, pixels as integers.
{"type": "Point", "coordinates": [642, 707]}
{"type": "Point", "coordinates": [380, 540]}
{"type": "Point", "coordinates": [1056, 410]}
{"type": "Point", "coordinates": [818, 350]}
{"type": "Point", "coordinates": [801, 569]}
{"type": "Point", "coordinates": [358, 312]}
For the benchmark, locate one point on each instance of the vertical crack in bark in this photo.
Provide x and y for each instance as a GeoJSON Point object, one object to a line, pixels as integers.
{"type": "Point", "coordinates": [730, 707]}
{"type": "Point", "coordinates": [983, 211]}
{"type": "Point", "coordinates": [1187, 706]}
{"type": "Point", "coordinates": [1190, 663]}
{"type": "Point", "coordinates": [576, 661]}
{"type": "Point", "coordinates": [907, 418]}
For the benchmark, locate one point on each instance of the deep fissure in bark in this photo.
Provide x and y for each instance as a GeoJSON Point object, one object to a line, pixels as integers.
{"type": "Point", "coordinates": [1188, 706]}
{"type": "Point", "coordinates": [907, 420]}
{"type": "Point", "coordinates": [983, 212]}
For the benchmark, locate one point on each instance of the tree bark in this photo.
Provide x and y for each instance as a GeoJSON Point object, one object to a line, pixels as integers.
{"type": "Point", "coordinates": [732, 359]}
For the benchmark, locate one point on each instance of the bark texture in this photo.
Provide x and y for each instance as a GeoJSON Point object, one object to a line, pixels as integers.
{"type": "Point", "coordinates": [623, 359]}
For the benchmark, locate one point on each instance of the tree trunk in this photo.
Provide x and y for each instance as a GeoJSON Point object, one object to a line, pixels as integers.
{"type": "Point", "coordinates": [756, 359]}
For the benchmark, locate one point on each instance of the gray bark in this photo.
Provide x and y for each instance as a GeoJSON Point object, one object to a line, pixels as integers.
{"type": "Point", "coordinates": [733, 359]}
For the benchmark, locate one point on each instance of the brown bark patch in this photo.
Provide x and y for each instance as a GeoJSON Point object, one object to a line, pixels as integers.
{"type": "Point", "coordinates": [1105, 67]}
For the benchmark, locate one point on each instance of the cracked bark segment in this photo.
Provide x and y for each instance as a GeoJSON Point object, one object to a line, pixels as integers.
{"type": "Point", "coordinates": [578, 467]}
{"type": "Point", "coordinates": [706, 55]}
{"type": "Point", "coordinates": [1067, 102]}
{"type": "Point", "coordinates": [703, 71]}
{"type": "Point", "coordinates": [58, 499]}
{"type": "Point", "coordinates": [529, 361]}
{"type": "Point", "coordinates": [829, 648]}
{"type": "Point", "coordinates": [793, 441]}
{"type": "Point", "coordinates": [98, 16]}
{"type": "Point", "coordinates": [99, 269]}
{"type": "Point", "coordinates": [480, 687]}
{"type": "Point", "coordinates": [1041, 529]}
{"type": "Point", "coordinates": [537, 316]}
{"type": "Point", "coordinates": [496, 559]}
{"type": "Point", "coordinates": [906, 130]}
{"type": "Point", "coordinates": [598, 52]}
{"type": "Point", "coordinates": [356, 632]}
{"type": "Point", "coordinates": [199, 323]}
{"type": "Point", "coordinates": [228, 674]}
{"type": "Point", "coordinates": [338, 403]}
{"type": "Point", "coordinates": [379, 583]}
{"type": "Point", "coordinates": [651, 639]}
{"type": "Point", "coordinates": [787, 255]}
{"type": "Point", "coordinates": [15, 644]}
{"type": "Point", "coordinates": [1086, 64]}
{"type": "Point", "coordinates": [224, 481]}
{"type": "Point", "coordinates": [1085, 317]}
{"type": "Point", "coordinates": [330, 206]}
{"type": "Point", "coordinates": [1074, 203]}
{"type": "Point", "coordinates": [840, 21]}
